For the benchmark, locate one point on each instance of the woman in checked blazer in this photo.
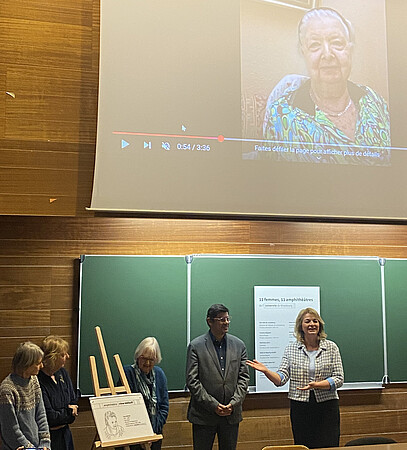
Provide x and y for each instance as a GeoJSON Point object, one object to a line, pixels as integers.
{"type": "Point", "coordinates": [313, 365]}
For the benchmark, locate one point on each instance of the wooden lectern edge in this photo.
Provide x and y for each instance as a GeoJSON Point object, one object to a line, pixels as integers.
{"type": "Point", "coordinates": [141, 440]}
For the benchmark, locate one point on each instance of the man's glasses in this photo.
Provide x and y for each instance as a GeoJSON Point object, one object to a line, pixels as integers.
{"type": "Point", "coordinates": [223, 319]}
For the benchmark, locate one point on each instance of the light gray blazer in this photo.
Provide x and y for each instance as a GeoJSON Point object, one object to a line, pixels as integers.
{"type": "Point", "coordinates": [208, 386]}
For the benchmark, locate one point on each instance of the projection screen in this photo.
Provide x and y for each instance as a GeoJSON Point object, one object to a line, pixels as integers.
{"type": "Point", "coordinates": [229, 107]}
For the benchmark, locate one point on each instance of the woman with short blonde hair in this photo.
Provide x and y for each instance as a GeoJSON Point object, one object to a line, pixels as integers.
{"type": "Point", "coordinates": [53, 346]}
{"type": "Point", "coordinates": [60, 397]}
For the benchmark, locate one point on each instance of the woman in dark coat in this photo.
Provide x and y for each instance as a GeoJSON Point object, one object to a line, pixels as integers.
{"type": "Point", "coordinates": [58, 393]}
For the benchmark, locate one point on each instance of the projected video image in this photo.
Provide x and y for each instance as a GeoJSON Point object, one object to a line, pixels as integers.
{"type": "Point", "coordinates": [252, 107]}
{"type": "Point", "coordinates": [317, 106]}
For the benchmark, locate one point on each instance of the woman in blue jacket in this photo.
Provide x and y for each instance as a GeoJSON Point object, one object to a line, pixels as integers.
{"type": "Point", "coordinates": [148, 379]}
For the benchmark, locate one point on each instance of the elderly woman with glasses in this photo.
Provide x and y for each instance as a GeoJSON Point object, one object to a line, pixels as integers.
{"type": "Point", "coordinates": [325, 116]}
{"type": "Point", "coordinates": [148, 379]}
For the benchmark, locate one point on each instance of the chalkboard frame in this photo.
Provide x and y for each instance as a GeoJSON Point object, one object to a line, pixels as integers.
{"type": "Point", "coordinates": [196, 303]}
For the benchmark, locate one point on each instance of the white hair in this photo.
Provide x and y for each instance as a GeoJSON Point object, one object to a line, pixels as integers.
{"type": "Point", "coordinates": [323, 13]}
{"type": "Point", "coordinates": [149, 344]}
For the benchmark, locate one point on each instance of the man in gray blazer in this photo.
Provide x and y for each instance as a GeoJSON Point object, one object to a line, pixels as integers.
{"type": "Point", "coordinates": [217, 377]}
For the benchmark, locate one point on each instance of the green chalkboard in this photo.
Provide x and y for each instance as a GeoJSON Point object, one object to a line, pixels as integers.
{"type": "Point", "coordinates": [130, 298]}
{"type": "Point", "coordinates": [395, 271]}
{"type": "Point", "coordinates": [350, 294]}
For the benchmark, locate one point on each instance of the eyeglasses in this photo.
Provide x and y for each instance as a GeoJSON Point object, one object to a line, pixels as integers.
{"type": "Point", "coordinates": [150, 360]}
{"type": "Point", "coordinates": [223, 319]}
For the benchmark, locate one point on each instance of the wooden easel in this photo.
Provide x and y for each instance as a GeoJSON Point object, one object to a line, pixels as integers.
{"type": "Point", "coordinates": [113, 390]}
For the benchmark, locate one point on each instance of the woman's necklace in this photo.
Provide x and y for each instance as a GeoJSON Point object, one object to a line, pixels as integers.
{"type": "Point", "coordinates": [326, 111]}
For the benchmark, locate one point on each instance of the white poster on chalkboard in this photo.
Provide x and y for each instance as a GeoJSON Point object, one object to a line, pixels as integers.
{"type": "Point", "coordinates": [275, 311]}
{"type": "Point", "coordinates": [121, 417]}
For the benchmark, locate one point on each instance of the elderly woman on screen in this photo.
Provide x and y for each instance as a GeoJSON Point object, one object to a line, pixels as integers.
{"type": "Point", "coordinates": [326, 117]}
{"type": "Point", "coordinates": [23, 422]}
{"type": "Point", "coordinates": [58, 392]}
{"type": "Point", "coordinates": [148, 379]}
{"type": "Point", "coordinates": [314, 367]}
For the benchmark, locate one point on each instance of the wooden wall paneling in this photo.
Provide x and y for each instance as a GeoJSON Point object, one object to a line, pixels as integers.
{"type": "Point", "coordinates": [174, 431]}
{"type": "Point", "coordinates": [109, 230]}
{"type": "Point", "coordinates": [35, 300]}
{"type": "Point", "coordinates": [24, 332]}
{"type": "Point", "coordinates": [46, 155]}
{"type": "Point", "coordinates": [95, 34]}
{"type": "Point", "coordinates": [74, 12]}
{"type": "Point", "coordinates": [63, 297]}
{"type": "Point", "coordinates": [65, 104]}
{"type": "Point", "coordinates": [22, 297]}
{"type": "Point", "coordinates": [330, 250]}
{"type": "Point", "coordinates": [10, 318]}
{"type": "Point", "coordinates": [31, 275]}
{"type": "Point", "coordinates": [5, 366]}
{"type": "Point", "coordinates": [264, 428]}
{"type": "Point", "coordinates": [127, 248]}
{"type": "Point", "coordinates": [139, 245]}
{"type": "Point", "coordinates": [40, 204]}
{"type": "Point", "coordinates": [374, 422]}
{"type": "Point", "coordinates": [3, 98]}
{"type": "Point", "coordinates": [44, 181]}
{"type": "Point", "coordinates": [47, 62]}
{"type": "Point", "coordinates": [31, 42]}
{"type": "Point", "coordinates": [381, 239]}
{"type": "Point", "coordinates": [66, 332]}
{"type": "Point", "coordinates": [349, 239]}
{"type": "Point", "coordinates": [9, 345]}
{"type": "Point", "coordinates": [332, 239]}
{"type": "Point", "coordinates": [61, 317]}
{"type": "Point", "coordinates": [227, 236]}
{"type": "Point", "coordinates": [48, 183]}
{"type": "Point", "coordinates": [30, 260]}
